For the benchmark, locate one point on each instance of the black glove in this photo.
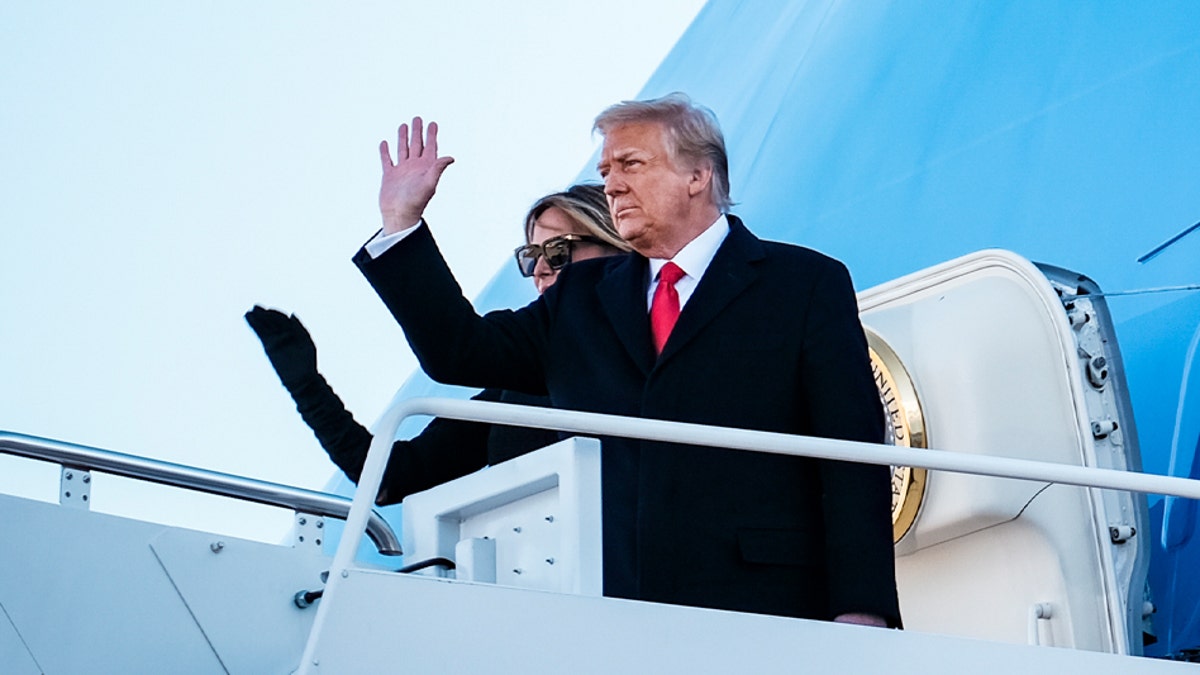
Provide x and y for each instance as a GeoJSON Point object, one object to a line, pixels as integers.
{"type": "Point", "coordinates": [287, 343]}
{"type": "Point", "coordinates": [294, 357]}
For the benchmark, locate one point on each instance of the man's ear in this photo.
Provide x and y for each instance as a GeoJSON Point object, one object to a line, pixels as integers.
{"type": "Point", "coordinates": [700, 179]}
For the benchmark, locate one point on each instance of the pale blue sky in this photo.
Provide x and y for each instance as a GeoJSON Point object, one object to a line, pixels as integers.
{"type": "Point", "coordinates": [166, 166]}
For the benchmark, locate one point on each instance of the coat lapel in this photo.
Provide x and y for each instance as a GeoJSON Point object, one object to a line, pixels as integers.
{"type": "Point", "coordinates": [728, 275]}
{"type": "Point", "coordinates": [623, 295]}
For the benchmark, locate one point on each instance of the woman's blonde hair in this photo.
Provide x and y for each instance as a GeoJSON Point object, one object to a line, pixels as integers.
{"type": "Point", "coordinates": [585, 204]}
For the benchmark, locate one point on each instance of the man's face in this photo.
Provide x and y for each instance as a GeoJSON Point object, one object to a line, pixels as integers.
{"type": "Point", "coordinates": [647, 193]}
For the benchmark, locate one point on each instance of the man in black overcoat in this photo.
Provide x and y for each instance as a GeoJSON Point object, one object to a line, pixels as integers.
{"type": "Point", "coordinates": [752, 334]}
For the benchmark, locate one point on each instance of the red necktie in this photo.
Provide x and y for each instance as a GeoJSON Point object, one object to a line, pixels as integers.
{"type": "Point", "coordinates": [664, 309]}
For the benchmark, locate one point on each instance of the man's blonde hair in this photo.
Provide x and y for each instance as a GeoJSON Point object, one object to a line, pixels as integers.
{"type": "Point", "coordinates": [692, 133]}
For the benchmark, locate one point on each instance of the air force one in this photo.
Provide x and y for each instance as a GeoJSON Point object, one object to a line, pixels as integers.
{"type": "Point", "coordinates": [1013, 187]}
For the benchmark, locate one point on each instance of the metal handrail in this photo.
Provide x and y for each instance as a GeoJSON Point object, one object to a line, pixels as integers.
{"type": "Point", "coordinates": [598, 424]}
{"type": "Point", "coordinates": [192, 478]}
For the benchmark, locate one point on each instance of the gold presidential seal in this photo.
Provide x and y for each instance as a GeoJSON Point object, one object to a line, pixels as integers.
{"type": "Point", "coordinates": [905, 426]}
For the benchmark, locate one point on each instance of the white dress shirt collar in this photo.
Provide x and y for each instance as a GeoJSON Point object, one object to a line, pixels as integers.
{"type": "Point", "coordinates": [693, 259]}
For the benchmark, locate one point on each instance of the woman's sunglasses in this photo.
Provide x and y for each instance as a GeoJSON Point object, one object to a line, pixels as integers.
{"type": "Point", "coordinates": [556, 249]}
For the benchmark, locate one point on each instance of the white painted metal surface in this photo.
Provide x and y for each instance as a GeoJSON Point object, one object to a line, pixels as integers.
{"type": "Point", "coordinates": [996, 362]}
{"type": "Point", "coordinates": [86, 592]}
{"type": "Point", "coordinates": [536, 519]}
{"type": "Point", "coordinates": [443, 626]}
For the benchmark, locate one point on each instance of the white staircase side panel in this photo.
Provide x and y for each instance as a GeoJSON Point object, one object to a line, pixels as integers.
{"type": "Point", "coordinates": [540, 513]}
{"type": "Point", "coordinates": [89, 592]}
{"type": "Point", "coordinates": [14, 655]}
{"type": "Point", "coordinates": [241, 595]}
{"type": "Point", "coordinates": [385, 622]}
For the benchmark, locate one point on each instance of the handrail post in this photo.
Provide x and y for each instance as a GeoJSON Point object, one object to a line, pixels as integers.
{"type": "Point", "coordinates": [383, 434]}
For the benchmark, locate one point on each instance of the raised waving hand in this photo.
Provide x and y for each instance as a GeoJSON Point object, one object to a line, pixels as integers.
{"type": "Point", "coordinates": [409, 182]}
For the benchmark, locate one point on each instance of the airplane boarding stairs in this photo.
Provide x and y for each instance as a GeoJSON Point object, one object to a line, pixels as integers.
{"type": "Point", "coordinates": [1022, 530]}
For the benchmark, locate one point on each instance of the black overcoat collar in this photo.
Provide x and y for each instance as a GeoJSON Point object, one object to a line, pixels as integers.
{"type": "Point", "coordinates": [622, 292]}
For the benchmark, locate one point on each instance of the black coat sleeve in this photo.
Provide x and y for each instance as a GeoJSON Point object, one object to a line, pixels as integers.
{"type": "Point", "coordinates": [446, 449]}
{"type": "Point", "coordinates": [343, 438]}
{"type": "Point", "coordinates": [449, 449]}
{"type": "Point", "coordinates": [453, 343]}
